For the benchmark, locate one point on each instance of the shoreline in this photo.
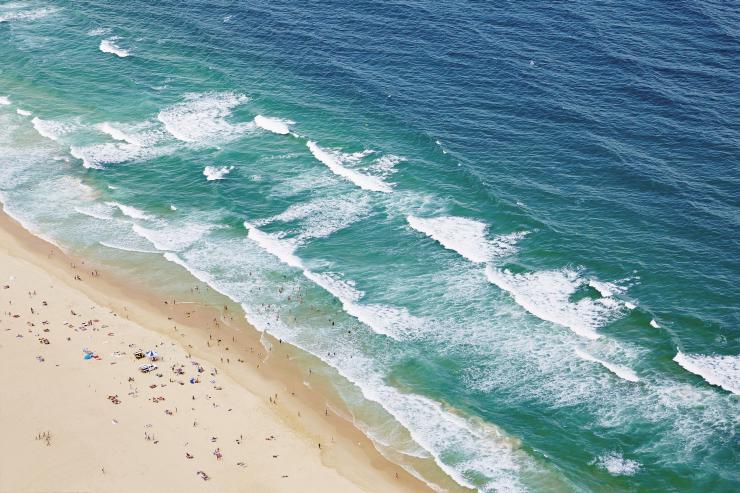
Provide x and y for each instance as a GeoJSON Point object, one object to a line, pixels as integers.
{"type": "Point", "coordinates": [308, 407]}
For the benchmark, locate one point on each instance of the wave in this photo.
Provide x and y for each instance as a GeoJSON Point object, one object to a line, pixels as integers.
{"type": "Point", "coordinates": [274, 125]}
{"type": "Point", "coordinates": [125, 248]}
{"type": "Point", "coordinates": [50, 129]}
{"type": "Point", "coordinates": [546, 295]}
{"type": "Point", "coordinates": [96, 211]}
{"type": "Point", "coordinates": [4, 100]}
{"type": "Point", "coordinates": [465, 236]}
{"type": "Point", "coordinates": [130, 211]}
{"type": "Point", "coordinates": [23, 112]}
{"type": "Point", "coordinates": [621, 371]}
{"type": "Point", "coordinates": [201, 118]}
{"type": "Point", "coordinates": [654, 324]}
{"type": "Point", "coordinates": [27, 15]}
{"type": "Point", "coordinates": [216, 172]}
{"type": "Point", "coordinates": [324, 216]}
{"type": "Point", "coordinates": [118, 134]}
{"type": "Point", "coordinates": [109, 46]}
{"type": "Point", "coordinates": [722, 371]}
{"type": "Point", "coordinates": [173, 237]}
{"type": "Point", "coordinates": [334, 162]}
{"type": "Point", "coordinates": [94, 156]}
{"type": "Point", "coordinates": [617, 465]}
{"type": "Point", "coordinates": [284, 250]}
{"type": "Point", "coordinates": [98, 31]}
{"type": "Point", "coordinates": [391, 321]}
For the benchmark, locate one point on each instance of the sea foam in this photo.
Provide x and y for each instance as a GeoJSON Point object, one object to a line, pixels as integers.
{"type": "Point", "coordinates": [201, 118]}
{"type": "Point", "coordinates": [274, 125]}
{"type": "Point", "coordinates": [4, 100]}
{"type": "Point", "coordinates": [281, 248]}
{"type": "Point", "coordinates": [50, 129]}
{"type": "Point", "coordinates": [723, 371]}
{"type": "Point", "coordinates": [621, 371]}
{"type": "Point", "coordinates": [130, 211]}
{"type": "Point", "coordinates": [465, 236]}
{"type": "Point", "coordinates": [216, 172]}
{"type": "Point", "coordinates": [546, 295]}
{"type": "Point", "coordinates": [109, 46]}
{"type": "Point", "coordinates": [23, 112]}
{"type": "Point", "coordinates": [334, 161]}
{"type": "Point", "coordinates": [617, 465]}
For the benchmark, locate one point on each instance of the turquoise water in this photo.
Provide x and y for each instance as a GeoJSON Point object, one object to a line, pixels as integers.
{"type": "Point", "coordinates": [513, 228]}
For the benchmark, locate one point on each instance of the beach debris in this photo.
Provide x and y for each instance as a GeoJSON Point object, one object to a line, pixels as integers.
{"type": "Point", "coordinates": [203, 475]}
{"type": "Point", "coordinates": [114, 399]}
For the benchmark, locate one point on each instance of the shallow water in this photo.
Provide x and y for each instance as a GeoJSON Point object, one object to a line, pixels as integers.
{"type": "Point", "coordinates": [514, 228]}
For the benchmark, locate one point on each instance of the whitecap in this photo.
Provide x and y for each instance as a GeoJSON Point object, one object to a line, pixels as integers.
{"type": "Point", "coordinates": [109, 46]}
{"type": "Point", "coordinates": [23, 112]}
{"type": "Point", "coordinates": [131, 211]}
{"type": "Point", "coordinates": [546, 295]}
{"type": "Point", "coordinates": [118, 134]}
{"type": "Point", "coordinates": [617, 465]}
{"type": "Point", "coordinates": [50, 129]}
{"type": "Point", "coordinates": [4, 100]}
{"type": "Point", "coordinates": [465, 236]}
{"type": "Point", "coordinates": [720, 370]}
{"type": "Point", "coordinates": [27, 15]}
{"type": "Point", "coordinates": [274, 125]}
{"type": "Point", "coordinates": [654, 324]}
{"type": "Point", "coordinates": [334, 161]}
{"type": "Point", "coordinates": [98, 31]}
{"type": "Point", "coordinates": [621, 371]}
{"type": "Point", "coordinates": [173, 237]}
{"type": "Point", "coordinates": [324, 216]}
{"type": "Point", "coordinates": [281, 248]}
{"type": "Point", "coordinates": [201, 118]}
{"type": "Point", "coordinates": [216, 172]}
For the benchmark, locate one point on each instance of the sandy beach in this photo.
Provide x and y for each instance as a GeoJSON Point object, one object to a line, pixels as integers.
{"type": "Point", "coordinates": [216, 414]}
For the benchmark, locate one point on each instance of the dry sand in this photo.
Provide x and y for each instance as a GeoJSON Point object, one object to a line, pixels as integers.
{"type": "Point", "coordinates": [73, 424]}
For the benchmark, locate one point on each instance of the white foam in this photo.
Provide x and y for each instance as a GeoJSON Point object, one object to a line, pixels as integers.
{"type": "Point", "coordinates": [546, 295]}
{"type": "Point", "coordinates": [4, 100]}
{"type": "Point", "coordinates": [97, 211]}
{"type": "Point", "coordinates": [464, 236]}
{"type": "Point", "coordinates": [283, 249]}
{"type": "Point", "coordinates": [654, 324]}
{"type": "Point", "coordinates": [621, 371]}
{"type": "Point", "coordinates": [50, 129]}
{"type": "Point", "coordinates": [606, 289]}
{"type": "Point", "coordinates": [96, 155]}
{"type": "Point", "coordinates": [130, 211]}
{"type": "Point", "coordinates": [118, 134]}
{"type": "Point", "coordinates": [109, 46]}
{"type": "Point", "coordinates": [630, 305]}
{"type": "Point", "coordinates": [723, 371]}
{"type": "Point", "coordinates": [274, 125]}
{"type": "Point", "coordinates": [173, 208]}
{"type": "Point", "coordinates": [391, 321]}
{"type": "Point", "coordinates": [23, 112]}
{"type": "Point", "coordinates": [201, 118]}
{"type": "Point", "coordinates": [617, 465]}
{"type": "Point", "coordinates": [98, 31]}
{"type": "Point", "coordinates": [334, 161]}
{"type": "Point", "coordinates": [216, 172]}
{"type": "Point", "coordinates": [125, 248]}
{"type": "Point", "coordinates": [325, 215]}
{"type": "Point", "coordinates": [173, 237]}
{"type": "Point", "coordinates": [27, 15]}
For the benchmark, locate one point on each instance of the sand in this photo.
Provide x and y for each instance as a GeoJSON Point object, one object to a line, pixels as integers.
{"type": "Point", "coordinates": [76, 414]}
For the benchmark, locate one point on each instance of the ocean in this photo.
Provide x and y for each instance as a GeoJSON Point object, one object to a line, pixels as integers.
{"type": "Point", "coordinates": [510, 230]}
